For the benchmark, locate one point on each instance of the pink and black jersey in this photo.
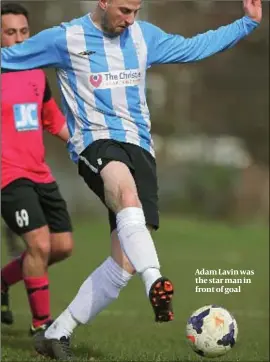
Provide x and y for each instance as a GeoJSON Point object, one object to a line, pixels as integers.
{"type": "Point", "coordinates": [27, 109]}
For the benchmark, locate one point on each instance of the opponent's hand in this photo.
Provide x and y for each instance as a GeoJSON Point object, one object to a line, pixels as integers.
{"type": "Point", "coordinates": [253, 9]}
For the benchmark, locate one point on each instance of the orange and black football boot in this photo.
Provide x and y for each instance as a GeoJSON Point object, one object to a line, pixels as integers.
{"type": "Point", "coordinates": [160, 296]}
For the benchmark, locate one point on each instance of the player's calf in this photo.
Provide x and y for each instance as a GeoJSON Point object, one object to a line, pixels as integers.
{"type": "Point", "coordinates": [10, 274]}
{"type": "Point", "coordinates": [35, 264]}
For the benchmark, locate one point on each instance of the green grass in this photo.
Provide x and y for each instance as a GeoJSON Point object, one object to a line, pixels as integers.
{"type": "Point", "coordinates": [126, 331]}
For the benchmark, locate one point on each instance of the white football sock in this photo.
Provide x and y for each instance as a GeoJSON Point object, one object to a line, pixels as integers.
{"type": "Point", "coordinates": [138, 245]}
{"type": "Point", "coordinates": [149, 276]}
{"type": "Point", "coordinates": [62, 326]}
{"type": "Point", "coordinates": [99, 290]}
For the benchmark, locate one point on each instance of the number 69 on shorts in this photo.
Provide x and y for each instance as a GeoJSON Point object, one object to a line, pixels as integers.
{"type": "Point", "coordinates": [22, 218]}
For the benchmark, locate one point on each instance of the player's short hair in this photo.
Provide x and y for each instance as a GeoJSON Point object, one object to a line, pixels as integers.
{"type": "Point", "coordinates": [14, 8]}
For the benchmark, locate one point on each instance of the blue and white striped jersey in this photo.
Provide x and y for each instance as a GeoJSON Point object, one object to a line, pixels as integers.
{"type": "Point", "coordinates": [102, 79]}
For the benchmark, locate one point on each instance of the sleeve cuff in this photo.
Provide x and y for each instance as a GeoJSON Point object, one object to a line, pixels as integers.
{"type": "Point", "coordinates": [249, 24]}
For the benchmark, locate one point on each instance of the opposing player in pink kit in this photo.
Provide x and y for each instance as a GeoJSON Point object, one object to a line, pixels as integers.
{"type": "Point", "coordinates": [32, 205]}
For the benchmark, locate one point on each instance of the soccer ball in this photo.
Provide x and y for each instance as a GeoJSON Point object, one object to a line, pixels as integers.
{"type": "Point", "coordinates": [211, 331]}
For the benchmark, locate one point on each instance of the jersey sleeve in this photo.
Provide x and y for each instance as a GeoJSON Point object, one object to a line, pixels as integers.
{"type": "Point", "coordinates": [40, 51]}
{"type": "Point", "coordinates": [168, 48]}
{"type": "Point", "coordinates": [53, 119]}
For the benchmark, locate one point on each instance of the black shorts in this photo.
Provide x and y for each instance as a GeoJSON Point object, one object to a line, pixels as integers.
{"type": "Point", "coordinates": [27, 206]}
{"type": "Point", "coordinates": [141, 164]}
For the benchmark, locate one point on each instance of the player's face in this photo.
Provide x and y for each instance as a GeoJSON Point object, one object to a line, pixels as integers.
{"type": "Point", "coordinates": [118, 15]}
{"type": "Point", "coordinates": [15, 29]}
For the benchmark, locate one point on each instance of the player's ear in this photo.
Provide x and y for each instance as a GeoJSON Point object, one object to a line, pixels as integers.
{"type": "Point", "coordinates": [103, 4]}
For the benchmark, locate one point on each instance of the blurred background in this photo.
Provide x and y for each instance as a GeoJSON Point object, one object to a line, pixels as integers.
{"type": "Point", "coordinates": [210, 119]}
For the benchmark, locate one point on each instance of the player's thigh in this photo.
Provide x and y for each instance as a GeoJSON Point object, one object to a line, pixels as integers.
{"type": "Point", "coordinates": [54, 207]}
{"type": "Point", "coordinates": [105, 165]}
{"type": "Point", "coordinates": [119, 186]}
{"type": "Point", "coordinates": [145, 176]}
{"type": "Point", "coordinates": [20, 207]}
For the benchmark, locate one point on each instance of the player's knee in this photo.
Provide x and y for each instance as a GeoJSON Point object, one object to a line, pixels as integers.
{"type": "Point", "coordinates": [129, 199]}
{"type": "Point", "coordinates": [42, 248]}
{"type": "Point", "coordinates": [62, 245]}
{"type": "Point", "coordinates": [67, 247]}
{"type": "Point", "coordinates": [38, 243]}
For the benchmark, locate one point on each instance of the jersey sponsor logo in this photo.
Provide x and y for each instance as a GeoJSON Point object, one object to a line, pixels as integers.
{"type": "Point", "coordinates": [114, 79]}
{"type": "Point", "coordinates": [26, 116]}
{"type": "Point", "coordinates": [96, 80]}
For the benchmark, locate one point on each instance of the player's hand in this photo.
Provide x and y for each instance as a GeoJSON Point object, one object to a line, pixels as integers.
{"type": "Point", "coordinates": [253, 9]}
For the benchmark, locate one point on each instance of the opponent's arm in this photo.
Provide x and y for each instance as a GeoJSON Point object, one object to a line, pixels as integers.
{"type": "Point", "coordinates": [64, 133]}
{"type": "Point", "coordinates": [167, 48]}
{"type": "Point", "coordinates": [39, 51]}
{"type": "Point", "coordinates": [52, 117]}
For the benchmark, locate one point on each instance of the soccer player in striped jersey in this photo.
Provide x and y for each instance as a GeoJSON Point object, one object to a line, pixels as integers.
{"type": "Point", "coordinates": [101, 61]}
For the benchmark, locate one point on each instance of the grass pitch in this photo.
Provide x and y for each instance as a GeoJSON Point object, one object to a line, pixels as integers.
{"type": "Point", "coordinates": [126, 331]}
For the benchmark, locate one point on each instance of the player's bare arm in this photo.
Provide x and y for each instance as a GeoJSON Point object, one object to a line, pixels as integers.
{"type": "Point", "coordinates": [64, 133]}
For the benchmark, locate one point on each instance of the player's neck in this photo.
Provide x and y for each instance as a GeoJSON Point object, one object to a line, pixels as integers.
{"type": "Point", "coordinates": [96, 17]}
{"type": "Point", "coordinates": [97, 20]}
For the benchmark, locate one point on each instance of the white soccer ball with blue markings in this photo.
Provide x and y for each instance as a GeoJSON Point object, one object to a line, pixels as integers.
{"type": "Point", "coordinates": [211, 331]}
